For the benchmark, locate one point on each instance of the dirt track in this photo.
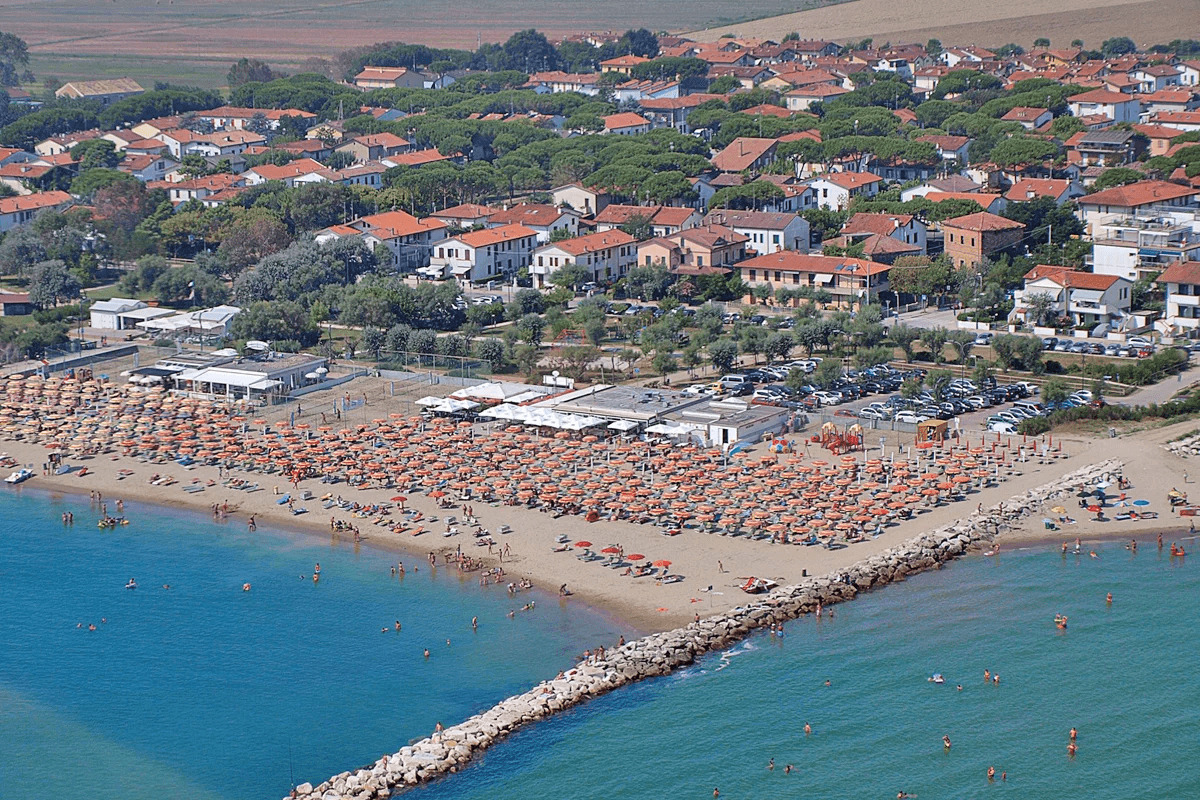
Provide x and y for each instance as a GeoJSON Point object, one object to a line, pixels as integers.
{"type": "Point", "coordinates": [983, 22]}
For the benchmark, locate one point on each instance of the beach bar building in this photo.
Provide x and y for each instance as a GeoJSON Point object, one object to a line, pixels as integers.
{"type": "Point", "coordinates": [251, 379]}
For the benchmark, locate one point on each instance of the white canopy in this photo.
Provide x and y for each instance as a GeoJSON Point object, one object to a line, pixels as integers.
{"type": "Point", "coordinates": [668, 429]}
{"type": "Point", "coordinates": [623, 425]}
{"type": "Point", "coordinates": [541, 417]}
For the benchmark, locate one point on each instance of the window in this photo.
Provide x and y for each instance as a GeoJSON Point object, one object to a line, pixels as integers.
{"type": "Point", "coordinates": [972, 241]}
{"type": "Point", "coordinates": [775, 239]}
{"type": "Point", "coordinates": [699, 261]}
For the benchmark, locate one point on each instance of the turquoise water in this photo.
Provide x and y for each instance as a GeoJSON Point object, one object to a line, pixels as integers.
{"type": "Point", "coordinates": [1124, 676]}
{"type": "Point", "coordinates": [203, 691]}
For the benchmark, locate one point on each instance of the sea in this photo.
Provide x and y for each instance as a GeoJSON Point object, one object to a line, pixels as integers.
{"type": "Point", "coordinates": [203, 691]}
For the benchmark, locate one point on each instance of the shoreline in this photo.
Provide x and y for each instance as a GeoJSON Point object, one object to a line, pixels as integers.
{"type": "Point", "coordinates": [449, 750]}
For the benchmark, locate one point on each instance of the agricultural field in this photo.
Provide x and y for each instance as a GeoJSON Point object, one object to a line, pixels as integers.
{"type": "Point", "coordinates": [196, 40]}
{"type": "Point", "coordinates": [983, 22]}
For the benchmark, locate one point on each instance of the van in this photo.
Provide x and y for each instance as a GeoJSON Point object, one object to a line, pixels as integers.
{"type": "Point", "coordinates": [732, 383]}
{"type": "Point", "coordinates": [1032, 406]}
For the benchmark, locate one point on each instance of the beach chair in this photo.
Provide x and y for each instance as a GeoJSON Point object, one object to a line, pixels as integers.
{"type": "Point", "coordinates": [504, 529]}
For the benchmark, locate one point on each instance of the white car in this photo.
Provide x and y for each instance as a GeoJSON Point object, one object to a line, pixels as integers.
{"type": "Point", "coordinates": [910, 417]}
{"type": "Point", "coordinates": [1000, 426]}
{"type": "Point", "coordinates": [828, 398]}
{"type": "Point", "coordinates": [1083, 396]}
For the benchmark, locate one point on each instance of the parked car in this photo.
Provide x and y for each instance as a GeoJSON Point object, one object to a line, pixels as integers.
{"type": "Point", "coordinates": [872, 413]}
{"type": "Point", "coordinates": [1001, 426]}
{"type": "Point", "coordinates": [911, 417]}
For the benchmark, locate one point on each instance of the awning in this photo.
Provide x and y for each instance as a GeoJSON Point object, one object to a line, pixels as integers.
{"type": "Point", "coordinates": [623, 425]}
{"type": "Point", "coordinates": [667, 429]}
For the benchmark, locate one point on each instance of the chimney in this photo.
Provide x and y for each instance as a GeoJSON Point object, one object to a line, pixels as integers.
{"type": "Point", "coordinates": [741, 147]}
{"type": "Point", "coordinates": [1029, 194]}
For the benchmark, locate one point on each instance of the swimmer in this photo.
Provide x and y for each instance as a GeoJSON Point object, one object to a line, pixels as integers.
{"type": "Point", "coordinates": [1092, 553]}
{"type": "Point", "coordinates": [397, 626]}
{"type": "Point", "coordinates": [771, 765]}
{"type": "Point", "coordinates": [427, 652]}
{"type": "Point", "coordinates": [103, 620]}
{"type": "Point", "coordinates": [166, 586]}
{"type": "Point", "coordinates": [827, 683]}
{"type": "Point", "coordinates": [946, 742]}
{"type": "Point", "coordinates": [474, 623]}
{"type": "Point", "coordinates": [1108, 599]}
{"type": "Point", "coordinates": [245, 587]}
{"type": "Point", "coordinates": [996, 679]}
{"type": "Point", "coordinates": [959, 687]}
{"type": "Point", "coordinates": [991, 773]}
{"type": "Point", "coordinates": [1071, 750]}
{"type": "Point", "coordinates": [807, 729]}
{"type": "Point", "coordinates": [78, 625]}
{"type": "Point", "coordinates": [91, 626]}
{"type": "Point", "coordinates": [716, 792]}
{"type": "Point", "coordinates": [987, 675]}
{"type": "Point", "coordinates": [1003, 776]}
{"type": "Point", "coordinates": [1074, 733]}
{"type": "Point", "coordinates": [447, 643]}
{"type": "Point", "coordinates": [383, 629]}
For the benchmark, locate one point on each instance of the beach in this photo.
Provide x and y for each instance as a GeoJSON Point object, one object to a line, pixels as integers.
{"type": "Point", "coordinates": [645, 605]}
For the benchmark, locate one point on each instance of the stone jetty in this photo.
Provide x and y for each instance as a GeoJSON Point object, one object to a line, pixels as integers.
{"type": "Point", "coordinates": [1187, 447]}
{"type": "Point", "coordinates": [450, 750]}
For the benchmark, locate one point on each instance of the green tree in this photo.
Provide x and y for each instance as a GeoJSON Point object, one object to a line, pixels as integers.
{"type": "Point", "coordinates": [1117, 176]}
{"type": "Point", "coordinates": [249, 70]}
{"type": "Point", "coordinates": [904, 337]}
{"type": "Point", "coordinates": [935, 340]}
{"type": "Point", "coordinates": [722, 353]}
{"type": "Point", "coordinates": [14, 60]}
{"type": "Point", "coordinates": [21, 249]}
{"type": "Point", "coordinates": [51, 282]}
{"type": "Point", "coordinates": [938, 382]}
{"type": "Point", "coordinates": [1118, 46]}
{"type": "Point", "coordinates": [96, 153]}
{"type": "Point", "coordinates": [827, 373]}
{"type": "Point", "coordinates": [779, 345]}
{"type": "Point", "coordinates": [530, 328]}
{"type": "Point", "coordinates": [1054, 391]}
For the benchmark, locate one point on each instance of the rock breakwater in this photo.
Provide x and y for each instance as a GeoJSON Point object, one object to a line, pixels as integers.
{"type": "Point", "coordinates": [1187, 447]}
{"type": "Point", "coordinates": [450, 750]}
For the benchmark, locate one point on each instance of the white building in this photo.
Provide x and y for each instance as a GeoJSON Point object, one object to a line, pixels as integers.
{"type": "Point", "coordinates": [1086, 298]}
{"type": "Point", "coordinates": [1141, 245]}
{"type": "Point", "coordinates": [836, 189]}
{"type": "Point", "coordinates": [482, 255]}
{"type": "Point", "coordinates": [767, 232]}
{"type": "Point", "coordinates": [1181, 283]}
{"type": "Point", "coordinates": [607, 255]}
{"type": "Point", "coordinates": [123, 313]}
{"type": "Point", "coordinates": [1116, 106]}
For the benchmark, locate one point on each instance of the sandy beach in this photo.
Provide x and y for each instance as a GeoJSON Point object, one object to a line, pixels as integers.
{"type": "Point", "coordinates": [643, 603]}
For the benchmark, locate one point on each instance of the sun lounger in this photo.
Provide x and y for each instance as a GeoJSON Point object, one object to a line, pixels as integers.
{"type": "Point", "coordinates": [505, 529]}
{"type": "Point", "coordinates": [193, 489]}
{"type": "Point", "coordinates": [298, 511]}
{"type": "Point", "coordinates": [672, 578]}
{"type": "Point", "coordinates": [419, 531]}
{"type": "Point", "coordinates": [283, 500]}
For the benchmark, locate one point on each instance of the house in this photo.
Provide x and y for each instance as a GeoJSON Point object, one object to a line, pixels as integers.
{"type": "Point", "coordinates": [1103, 148]}
{"type": "Point", "coordinates": [1140, 246]}
{"type": "Point", "coordinates": [1185, 121]}
{"type": "Point", "coordinates": [1030, 118]}
{"type": "Point", "coordinates": [663, 220]}
{"type": "Point", "coordinates": [236, 118]}
{"type": "Point", "coordinates": [1165, 100]}
{"type": "Point", "coordinates": [15, 304]}
{"type": "Point", "coordinates": [710, 246]}
{"type": "Point", "coordinates": [989, 202]}
{"type": "Point", "coordinates": [835, 190]}
{"type": "Point", "coordinates": [122, 313]}
{"type": "Point", "coordinates": [542, 218]}
{"type": "Point", "coordinates": [626, 123]}
{"type": "Point", "coordinates": [553, 81]}
{"type": "Point", "coordinates": [369, 174]}
{"type": "Point", "coordinates": [1156, 77]}
{"type": "Point", "coordinates": [148, 168]}
{"type": "Point", "coordinates": [904, 228]}
{"type": "Point", "coordinates": [802, 98]}
{"type": "Point", "coordinates": [1061, 190]}
{"type": "Point", "coordinates": [660, 251]}
{"type": "Point", "coordinates": [223, 143]}
{"type": "Point", "coordinates": [465, 215]}
{"type": "Point", "coordinates": [105, 92]}
{"type": "Point", "coordinates": [1087, 299]}
{"type": "Point", "coordinates": [1132, 197]}
{"type": "Point", "coordinates": [606, 255]}
{"type": "Point", "coordinates": [482, 255]}
{"type": "Point", "coordinates": [1181, 286]}
{"type": "Point", "coordinates": [950, 148]}
{"type": "Point", "coordinates": [57, 145]}
{"type": "Point", "coordinates": [767, 232]}
{"type": "Point", "coordinates": [622, 65]}
{"type": "Point", "coordinates": [418, 158]}
{"type": "Point", "coordinates": [583, 199]}
{"type": "Point", "coordinates": [850, 281]}
{"type": "Point", "coordinates": [748, 77]}
{"type": "Point", "coordinates": [293, 173]}
{"type": "Point", "coordinates": [745, 153]}
{"type": "Point", "coordinates": [960, 184]}
{"type": "Point", "coordinates": [375, 146]}
{"type": "Point", "coordinates": [1116, 106]}
{"type": "Point", "coordinates": [389, 78]}
{"type": "Point", "coordinates": [16, 211]}
{"type": "Point", "coordinates": [202, 187]}
{"type": "Point", "coordinates": [407, 238]}
{"type": "Point", "coordinates": [972, 237]}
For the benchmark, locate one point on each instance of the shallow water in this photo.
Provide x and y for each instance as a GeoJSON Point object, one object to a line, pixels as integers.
{"type": "Point", "coordinates": [1123, 675]}
{"type": "Point", "coordinates": [204, 691]}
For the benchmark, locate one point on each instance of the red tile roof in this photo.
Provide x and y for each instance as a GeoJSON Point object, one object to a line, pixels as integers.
{"type": "Point", "coordinates": [626, 119]}
{"type": "Point", "coordinates": [1100, 96]}
{"type": "Point", "coordinates": [32, 202]}
{"type": "Point", "coordinates": [488, 236]}
{"type": "Point", "coordinates": [982, 221]}
{"type": "Point", "coordinates": [1037, 187]}
{"type": "Point", "coordinates": [591, 242]}
{"type": "Point", "coordinates": [741, 153]}
{"type": "Point", "coordinates": [1142, 193]}
{"type": "Point", "coordinates": [1181, 272]}
{"type": "Point", "coordinates": [1071, 278]}
{"type": "Point", "coordinates": [536, 215]}
{"type": "Point", "coordinates": [792, 261]}
{"type": "Point", "coordinates": [863, 222]}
